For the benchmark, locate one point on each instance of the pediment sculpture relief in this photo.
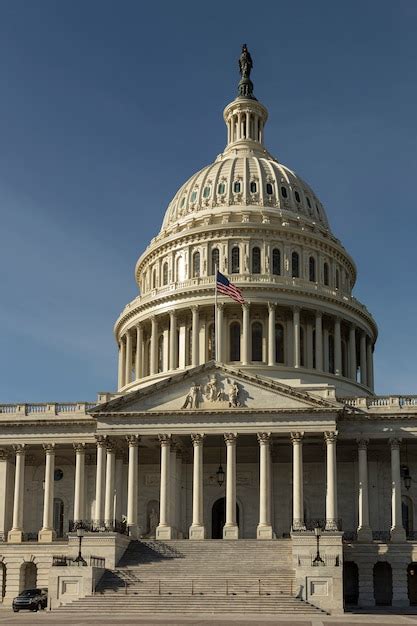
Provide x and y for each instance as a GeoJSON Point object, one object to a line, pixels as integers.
{"type": "Point", "coordinates": [226, 393]}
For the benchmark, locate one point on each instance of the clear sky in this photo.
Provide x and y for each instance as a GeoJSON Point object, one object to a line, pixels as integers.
{"type": "Point", "coordinates": [106, 108]}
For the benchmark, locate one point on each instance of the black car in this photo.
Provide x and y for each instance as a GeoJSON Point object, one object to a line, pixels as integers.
{"type": "Point", "coordinates": [31, 599]}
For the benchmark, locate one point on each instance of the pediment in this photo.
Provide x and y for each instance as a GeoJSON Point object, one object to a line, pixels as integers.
{"type": "Point", "coordinates": [214, 388]}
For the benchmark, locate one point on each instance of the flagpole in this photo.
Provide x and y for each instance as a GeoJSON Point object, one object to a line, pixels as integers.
{"type": "Point", "coordinates": [215, 313]}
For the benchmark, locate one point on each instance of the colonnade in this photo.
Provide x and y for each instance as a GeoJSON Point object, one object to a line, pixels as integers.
{"type": "Point", "coordinates": [307, 344]}
{"type": "Point", "coordinates": [106, 487]}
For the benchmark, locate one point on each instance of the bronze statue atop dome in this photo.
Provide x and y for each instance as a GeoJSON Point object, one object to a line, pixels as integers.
{"type": "Point", "coordinates": [245, 68]}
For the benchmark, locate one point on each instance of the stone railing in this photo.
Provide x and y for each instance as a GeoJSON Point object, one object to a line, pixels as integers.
{"type": "Point", "coordinates": [382, 402]}
{"type": "Point", "coordinates": [39, 409]}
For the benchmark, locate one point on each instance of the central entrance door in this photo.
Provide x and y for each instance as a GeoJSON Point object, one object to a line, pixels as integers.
{"type": "Point", "coordinates": [218, 518]}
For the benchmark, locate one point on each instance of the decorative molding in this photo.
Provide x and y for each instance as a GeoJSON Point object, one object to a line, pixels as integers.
{"type": "Point", "coordinates": [297, 437]}
{"type": "Point", "coordinates": [49, 448]}
{"type": "Point", "coordinates": [197, 439]}
{"type": "Point", "coordinates": [164, 439]}
{"type": "Point", "coordinates": [362, 443]}
{"type": "Point", "coordinates": [230, 438]}
{"type": "Point", "coordinates": [133, 440]}
{"type": "Point", "coordinates": [19, 448]}
{"type": "Point", "coordinates": [264, 438]}
{"type": "Point", "coordinates": [79, 448]}
{"type": "Point", "coordinates": [330, 437]}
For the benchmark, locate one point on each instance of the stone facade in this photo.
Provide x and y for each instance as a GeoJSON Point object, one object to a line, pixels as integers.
{"type": "Point", "coordinates": [254, 420]}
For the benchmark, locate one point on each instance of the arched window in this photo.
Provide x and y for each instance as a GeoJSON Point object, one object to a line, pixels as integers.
{"type": "Point", "coordinates": [256, 341]}
{"type": "Point", "coordinates": [206, 192]}
{"type": "Point", "coordinates": [180, 270]}
{"type": "Point", "coordinates": [214, 260]}
{"type": "Point", "coordinates": [279, 343]}
{"type": "Point", "coordinates": [284, 192]}
{"type": "Point", "coordinates": [235, 341]}
{"type": "Point", "coordinates": [211, 347]}
{"type": "Point", "coordinates": [407, 515]}
{"type": "Point", "coordinates": [337, 279]}
{"type": "Point", "coordinates": [312, 269]}
{"type": "Point", "coordinates": [276, 262]}
{"type": "Point", "coordinates": [160, 353]}
{"type": "Point", "coordinates": [256, 260]}
{"type": "Point", "coordinates": [165, 273]}
{"type": "Point", "coordinates": [235, 260]}
{"type": "Point", "coordinates": [221, 188]}
{"type": "Point", "coordinates": [326, 273]}
{"type": "Point", "coordinates": [154, 279]}
{"type": "Point", "coordinates": [196, 264]}
{"type": "Point", "coordinates": [269, 189]}
{"type": "Point", "coordinates": [253, 187]}
{"type": "Point", "coordinates": [295, 265]}
{"type": "Point", "coordinates": [302, 360]}
{"type": "Point", "coordinates": [331, 354]}
{"type": "Point", "coordinates": [236, 187]}
{"type": "Point", "coordinates": [297, 196]}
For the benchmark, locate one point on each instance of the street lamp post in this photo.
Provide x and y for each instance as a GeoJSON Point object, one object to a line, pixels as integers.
{"type": "Point", "coordinates": [318, 560]}
{"type": "Point", "coordinates": [80, 534]}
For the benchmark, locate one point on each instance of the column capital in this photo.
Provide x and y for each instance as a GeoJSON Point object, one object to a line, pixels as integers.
{"type": "Point", "coordinates": [330, 437]}
{"type": "Point", "coordinates": [362, 443]}
{"type": "Point", "coordinates": [197, 439]}
{"type": "Point", "coordinates": [19, 448]}
{"type": "Point", "coordinates": [4, 454]}
{"type": "Point", "coordinates": [297, 437]}
{"type": "Point", "coordinates": [263, 438]}
{"type": "Point", "coordinates": [101, 441]}
{"type": "Point", "coordinates": [110, 446]}
{"type": "Point", "coordinates": [318, 314]}
{"type": "Point", "coordinates": [164, 439]}
{"type": "Point", "coordinates": [49, 448]}
{"type": "Point", "coordinates": [79, 447]}
{"type": "Point", "coordinates": [395, 442]}
{"type": "Point", "coordinates": [230, 438]}
{"type": "Point", "coordinates": [173, 313]}
{"type": "Point", "coordinates": [272, 306]}
{"type": "Point", "coordinates": [296, 309]}
{"type": "Point", "coordinates": [245, 305]}
{"type": "Point", "coordinates": [133, 440]}
{"type": "Point", "coordinates": [194, 308]}
{"type": "Point", "coordinates": [337, 319]}
{"type": "Point", "coordinates": [220, 306]}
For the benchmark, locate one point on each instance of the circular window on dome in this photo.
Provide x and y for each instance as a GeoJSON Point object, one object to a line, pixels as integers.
{"type": "Point", "coordinates": [297, 196]}
{"type": "Point", "coordinates": [269, 189]}
{"type": "Point", "coordinates": [206, 192]}
{"type": "Point", "coordinates": [58, 474]}
{"type": "Point", "coordinates": [193, 196]}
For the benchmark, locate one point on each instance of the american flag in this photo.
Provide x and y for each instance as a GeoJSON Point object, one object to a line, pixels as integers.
{"type": "Point", "coordinates": [225, 287]}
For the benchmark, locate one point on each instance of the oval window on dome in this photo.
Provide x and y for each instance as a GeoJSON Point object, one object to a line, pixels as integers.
{"type": "Point", "coordinates": [236, 187]}
{"type": "Point", "coordinates": [297, 196]}
{"type": "Point", "coordinates": [284, 192]}
{"type": "Point", "coordinates": [253, 187]}
{"type": "Point", "coordinates": [182, 202]}
{"type": "Point", "coordinates": [221, 188]}
{"type": "Point", "coordinates": [206, 192]}
{"type": "Point", "coordinates": [269, 189]}
{"type": "Point", "coordinates": [193, 196]}
{"type": "Point", "coordinates": [308, 202]}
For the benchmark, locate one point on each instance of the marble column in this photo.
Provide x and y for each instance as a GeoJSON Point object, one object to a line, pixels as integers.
{"type": "Point", "coordinates": [331, 477]}
{"type": "Point", "coordinates": [337, 347]}
{"type": "Point", "coordinates": [109, 512]}
{"type": "Point", "coordinates": [369, 364]}
{"type": "Point", "coordinates": [100, 481]}
{"type": "Point", "coordinates": [132, 486]}
{"type": "Point", "coordinates": [264, 529]}
{"type": "Point", "coordinates": [220, 333]}
{"type": "Point", "coordinates": [271, 334]}
{"type": "Point", "coordinates": [79, 493]}
{"type": "Point", "coordinates": [139, 352]}
{"type": "Point", "coordinates": [129, 357]}
{"type": "Point", "coordinates": [154, 346]}
{"type": "Point", "coordinates": [6, 471]}
{"type": "Point", "coordinates": [173, 341]}
{"type": "Point", "coordinates": [352, 352]}
{"type": "Point", "coordinates": [195, 336]}
{"type": "Point", "coordinates": [319, 341]}
{"type": "Point", "coordinates": [297, 482]}
{"type": "Point", "coordinates": [309, 350]}
{"type": "Point", "coordinates": [296, 336]}
{"type": "Point", "coordinates": [397, 529]}
{"type": "Point", "coordinates": [47, 532]}
{"type": "Point", "coordinates": [118, 487]}
{"type": "Point", "coordinates": [245, 347]}
{"type": "Point", "coordinates": [326, 360]}
{"type": "Point", "coordinates": [197, 530]}
{"type": "Point", "coordinates": [122, 362]}
{"type": "Point", "coordinates": [16, 533]}
{"type": "Point", "coordinates": [164, 530]}
{"type": "Point", "coordinates": [230, 529]}
{"type": "Point", "coordinates": [178, 494]}
{"type": "Point", "coordinates": [364, 529]}
{"type": "Point", "coordinates": [364, 379]}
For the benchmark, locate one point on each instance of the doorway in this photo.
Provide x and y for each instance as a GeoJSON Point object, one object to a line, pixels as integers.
{"type": "Point", "coordinates": [350, 583]}
{"type": "Point", "coordinates": [383, 584]}
{"type": "Point", "coordinates": [412, 583]}
{"type": "Point", "coordinates": [218, 518]}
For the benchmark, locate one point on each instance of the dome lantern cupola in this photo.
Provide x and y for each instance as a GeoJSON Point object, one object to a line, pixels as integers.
{"type": "Point", "coordinates": [245, 117]}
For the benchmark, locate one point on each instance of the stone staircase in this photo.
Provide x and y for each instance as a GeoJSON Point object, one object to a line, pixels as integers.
{"type": "Point", "coordinates": [198, 577]}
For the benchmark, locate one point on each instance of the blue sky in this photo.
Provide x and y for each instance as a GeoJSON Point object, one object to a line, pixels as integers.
{"type": "Point", "coordinates": [107, 107]}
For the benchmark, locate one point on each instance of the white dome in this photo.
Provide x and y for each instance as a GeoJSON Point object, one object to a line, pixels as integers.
{"type": "Point", "coordinates": [241, 180]}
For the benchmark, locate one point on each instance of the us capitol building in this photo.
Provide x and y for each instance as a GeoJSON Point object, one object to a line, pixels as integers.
{"type": "Point", "coordinates": [278, 437]}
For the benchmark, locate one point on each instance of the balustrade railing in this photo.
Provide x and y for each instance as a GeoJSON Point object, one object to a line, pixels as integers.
{"type": "Point", "coordinates": [376, 402]}
{"type": "Point", "coordinates": [325, 525]}
{"type": "Point", "coordinates": [65, 561]}
{"type": "Point", "coordinates": [98, 526]}
{"type": "Point", "coordinates": [53, 408]}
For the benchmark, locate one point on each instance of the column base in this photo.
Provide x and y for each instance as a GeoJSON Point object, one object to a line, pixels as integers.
{"type": "Point", "coordinates": [264, 532]}
{"type": "Point", "coordinates": [15, 536]}
{"type": "Point", "coordinates": [163, 533]}
{"type": "Point", "coordinates": [364, 534]}
{"type": "Point", "coordinates": [46, 535]}
{"type": "Point", "coordinates": [231, 532]}
{"type": "Point", "coordinates": [133, 531]}
{"type": "Point", "coordinates": [197, 532]}
{"type": "Point", "coordinates": [398, 534]}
